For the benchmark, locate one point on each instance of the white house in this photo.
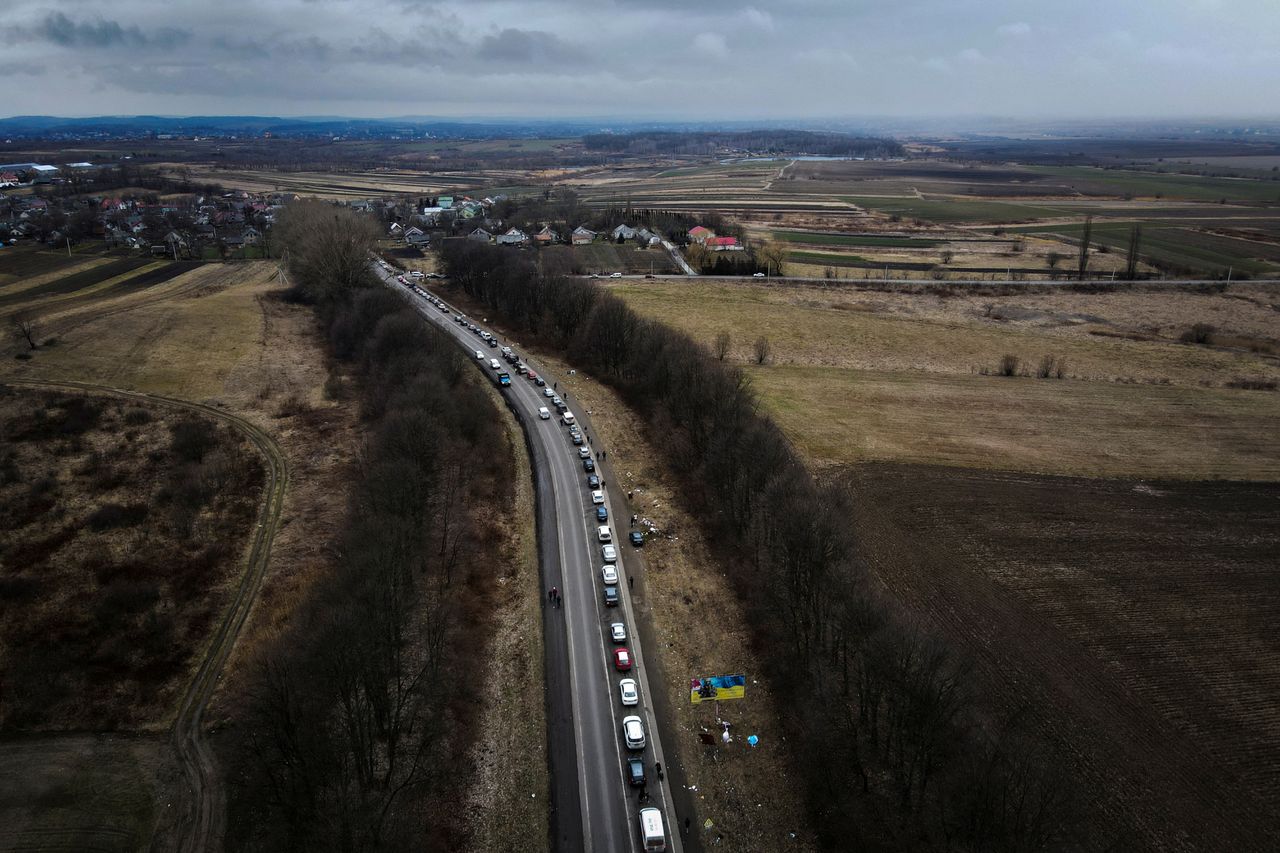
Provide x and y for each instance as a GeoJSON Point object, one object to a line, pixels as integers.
{"type": "Point", "coordinates": [514, 237]}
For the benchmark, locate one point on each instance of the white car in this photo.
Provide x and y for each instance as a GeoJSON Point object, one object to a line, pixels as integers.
{"type": "Point", "coordinates": [493, 364]}
{"type": "Point", "coordinates": [633, 732]}
{"type": "Point", "coordinates": [597, 497]}
{"type": "Point", "coordinates": [604, 533]}
{"type": "Point", "coordinates": [616, 275]}
{"type": "Point", "coordinates": [584, 453]}
{"type": "Point", "coordinates": [544, 413]}
{"type": "Point", "coordinates": [618, 632]}
{"type": "Point", "coordinates": [609, 553]}
{"type": "Point", "coordinates": [757, 275]}
{"type": "Point", "coordinates": [609, 573]}
{"type": "Point", "coordinates": [629, 692]}
{"type": "Point", "coordinates": [416, 273]}
{"type": "Point", "coordinates": [479, 355]}
{"type": "Point", "coordinates": [548, 392]}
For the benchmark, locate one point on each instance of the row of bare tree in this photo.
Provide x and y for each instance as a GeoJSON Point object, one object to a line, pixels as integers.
{"type": "Point", "coordinates": [882, 715]}
{"type": "Point", "coordinates": [356, 717]}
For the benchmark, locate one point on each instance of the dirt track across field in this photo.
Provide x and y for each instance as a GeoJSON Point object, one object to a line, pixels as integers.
{"type": "Point", "coordinates": [1132, 622]}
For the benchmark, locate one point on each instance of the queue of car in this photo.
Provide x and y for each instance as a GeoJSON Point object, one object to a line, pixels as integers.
{"type": "Point", "coordinates": [633, 734]}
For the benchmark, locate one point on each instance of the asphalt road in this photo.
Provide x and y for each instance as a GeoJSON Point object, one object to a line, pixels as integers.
{"type": "Point", "coordinates": [593, 808]}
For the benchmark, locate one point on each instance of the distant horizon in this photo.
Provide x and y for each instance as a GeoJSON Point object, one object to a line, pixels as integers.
{"type": "Point", "coordinates": [936, 122]}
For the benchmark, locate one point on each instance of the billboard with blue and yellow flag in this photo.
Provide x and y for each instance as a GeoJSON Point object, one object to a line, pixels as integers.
{"type": "Point", "coordinates": [717, 687]}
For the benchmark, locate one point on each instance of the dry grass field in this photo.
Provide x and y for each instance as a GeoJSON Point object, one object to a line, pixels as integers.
{"type": "Point", "coordinates": [873, 375]}
{"type": "Point", "coordinates": [353, 184]}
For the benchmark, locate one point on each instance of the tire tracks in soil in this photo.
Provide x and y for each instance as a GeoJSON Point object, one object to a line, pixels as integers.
{"type": "Point", "coordinates": [201, 820]}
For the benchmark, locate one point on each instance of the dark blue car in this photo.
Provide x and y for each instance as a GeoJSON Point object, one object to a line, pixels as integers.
{"type": "Point", "coordinates": [593, 482]}
{"type": "Point", "coordinates": [602, 514]}
{"type": "Point", "coordinates": [588, 465]}
{"type": "Point", "coordinates": [637, 538]}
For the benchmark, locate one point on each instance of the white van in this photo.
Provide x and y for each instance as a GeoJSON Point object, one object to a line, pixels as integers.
{"type": "Point", "coordinates": [567, 418]}
{"type": "Point", "coordinates": [544, 413]}
{"type": "Point", "coordinates": [651, 829]}
{"type": "Point", "coordinates": [493, 363]}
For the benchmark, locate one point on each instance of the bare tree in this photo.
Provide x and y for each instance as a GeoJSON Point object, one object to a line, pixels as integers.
{"type": "Point", "coordinates": [948, 256]}
{"type": "Point", "coordinates": [25, 327]}
{"type": "Point", "coordinates": [762, 349]}
{"type": "Point", "coordinates": [1084, 246]}
{"type": "Point", "coordinates": [721, 346]}
{"type": "Point", "coordinates": [1131, 262]}
{"type": "Point", "coordinates": [1053, 259]}
{"type": "Point", "coordinates": [773, 256]}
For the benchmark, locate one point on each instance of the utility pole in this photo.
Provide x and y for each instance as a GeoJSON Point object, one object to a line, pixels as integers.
{"type": "Point", "coordinates": [68, 247]}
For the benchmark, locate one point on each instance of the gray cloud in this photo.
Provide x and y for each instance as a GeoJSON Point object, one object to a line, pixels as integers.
{"type": "Point", "coordinates": [61, 30]}
{"type": "Point", "coordinates": [526, 47]}
{"type": "Point", "coordinates": [712, 59]}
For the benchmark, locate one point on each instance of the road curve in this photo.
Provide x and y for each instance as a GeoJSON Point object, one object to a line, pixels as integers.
{"type": "Point", "coordinates": [593, 809]}
{"type": "Point", "coordinates": [202, 818]}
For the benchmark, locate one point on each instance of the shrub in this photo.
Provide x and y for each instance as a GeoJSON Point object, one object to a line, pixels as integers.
{"type": "Point", "coordinates": [137, 417]}
{"type": "Point", "coordinates": [1051, 367]}
{"type": "Point", "coordinates": [1200, 333]}
{"type": "Point", "coordinates": [191, 439]}
{"type": "Point", "coordinates": [113, 515]}
{"type": "Point", "coordinates": [1253, 383]}
{"type": "Point", "coordinates": [293, 406]}
{"type": "Point", "coordinates": [1009, 365]}
{"type": "Point", "coordinates": [9, 471]}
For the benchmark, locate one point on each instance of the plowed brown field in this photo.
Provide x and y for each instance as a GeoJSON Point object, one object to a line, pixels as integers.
{"type": "Point", "coordinates": [1135, 622]}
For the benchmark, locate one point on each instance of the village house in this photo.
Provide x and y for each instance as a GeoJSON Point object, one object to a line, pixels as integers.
{"type": "Point", "coordinates": [546, 236]}
{"type": "Point", "coordinates": [724, 244]}
{"type": "Point", "coordinates": [699, 234]}
{"type": "Point", "coordinates": [480, 235]}
{"type": "Point", "coordinates": [513, 237]}
{"type": "Point", "coordinates": [582, 235]}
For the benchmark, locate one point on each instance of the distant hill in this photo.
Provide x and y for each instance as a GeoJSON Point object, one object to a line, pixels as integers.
{"type": "Point", "coordinates": [767, 142]}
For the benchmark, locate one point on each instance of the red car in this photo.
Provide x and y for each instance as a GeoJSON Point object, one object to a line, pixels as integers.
{"type": "Point", "coordinates": [622, 659]}
{"type": "Point", "coordinates": [531, 376]}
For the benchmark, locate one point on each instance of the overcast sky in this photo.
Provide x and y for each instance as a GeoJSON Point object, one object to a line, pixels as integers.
{"type": "Point", "coordinates": [644, 58]}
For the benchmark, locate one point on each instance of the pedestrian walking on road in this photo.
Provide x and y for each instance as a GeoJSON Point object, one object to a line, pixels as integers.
{"type": "Point", "coordinates": [658, 767]}
{"type": "Point", "coordinates": [551, 595]}
{"type": "Point", "coordinates": [631, 582]}
{"type": "Point", "coordinates": [686, 826]}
